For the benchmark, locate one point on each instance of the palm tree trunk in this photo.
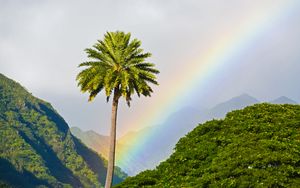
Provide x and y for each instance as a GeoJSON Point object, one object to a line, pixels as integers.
{"type": "Point", "coordinates": [111, 155]}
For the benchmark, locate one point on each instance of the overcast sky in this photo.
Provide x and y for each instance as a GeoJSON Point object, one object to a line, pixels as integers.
{"type": "Point", "coordinates": [43, 41]}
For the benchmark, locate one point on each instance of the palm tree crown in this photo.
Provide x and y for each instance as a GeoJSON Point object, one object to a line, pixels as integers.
{"type": "Point", "coordinates": [117, 65]}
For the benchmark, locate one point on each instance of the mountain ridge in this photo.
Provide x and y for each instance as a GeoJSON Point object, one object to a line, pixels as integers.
{"type": "Point", "coordinates": [37, 147]}
{"type": "Point", "coordinates": [283, 100]}
{"type": "Point", "coordinates": [234, 103]}
{"type": "Point", "coordinates": [93, 140]}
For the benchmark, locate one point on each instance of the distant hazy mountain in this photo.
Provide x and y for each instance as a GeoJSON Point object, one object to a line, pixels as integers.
{"type": "Point", "coordinates": [97, 142]}
{"type": "Point", "coordinates": [283, 100]}
{"type": "Point", "coordinates": [37, 148]}
{"type": "Point", "coordinates": [235, 103]}
{"type": "Point", "coordinates": [130, 137]}
{"type": "Point", "coordinates": [100, 143]}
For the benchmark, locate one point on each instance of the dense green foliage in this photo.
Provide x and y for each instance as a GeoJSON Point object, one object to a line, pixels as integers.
{"type": "Point", "coordinates": [258, 146]}
{"type": "Point", "coordinates": [37, 148]}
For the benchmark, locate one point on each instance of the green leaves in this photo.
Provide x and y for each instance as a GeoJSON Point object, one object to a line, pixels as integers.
{"type": "Point", "coordinates": [117, 64]}
{"type": "Point", "coordinates": [258, 146]}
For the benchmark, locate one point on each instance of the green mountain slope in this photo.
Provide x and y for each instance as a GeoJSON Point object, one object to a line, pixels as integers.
{"type": "Point", "coordinates": [258, 146]}
{"type": "Point", "coordinates": [37, 147]}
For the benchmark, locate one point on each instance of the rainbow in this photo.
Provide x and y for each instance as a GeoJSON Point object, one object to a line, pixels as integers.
{"type": "Point", "coordinates": [199, 72]}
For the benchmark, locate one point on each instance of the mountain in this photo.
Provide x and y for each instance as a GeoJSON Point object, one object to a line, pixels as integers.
{"type": "Point", "coordinates": [283, 100]}
{"type": "Point", "coordinates": [235, 103]}
{"type": "Point", "coordinates": [130, 137]}
{"type": "Point", "coordinates": [100, 144]}
{"type": "Point", "coordinates": [93, 140]}
{"type": "Point", "coordinates": [254, 147]}
{"type": "Point", "coordinates": [37, 148]}
{"type": "Point", "coordinates": [166, 136]}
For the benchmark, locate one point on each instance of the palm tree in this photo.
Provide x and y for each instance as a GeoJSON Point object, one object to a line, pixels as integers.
{"type": "Point", "coordinates": [117, 66]}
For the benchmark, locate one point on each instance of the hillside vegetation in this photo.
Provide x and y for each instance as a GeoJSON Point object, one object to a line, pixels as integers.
{"type": "Point", "coordinates": [258, 146]}
{"type": "Point", "coordinates": [37, 147]}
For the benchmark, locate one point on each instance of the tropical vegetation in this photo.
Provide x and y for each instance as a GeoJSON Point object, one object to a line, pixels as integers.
{"type": "Point", "coordinates": [258, 146]}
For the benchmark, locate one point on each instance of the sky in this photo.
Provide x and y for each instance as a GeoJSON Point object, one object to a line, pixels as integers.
{"type": "Point", "coordinates": [42, 42]}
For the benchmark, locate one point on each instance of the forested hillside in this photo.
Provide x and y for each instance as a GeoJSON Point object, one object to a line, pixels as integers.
{"type": "Point", "coordinates": [37, 147]}
{"type": "Point", "coordinates": [258, 146]}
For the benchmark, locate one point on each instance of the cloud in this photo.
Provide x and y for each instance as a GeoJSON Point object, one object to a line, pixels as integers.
{"type": "Point", "coordinates": [42, 42]}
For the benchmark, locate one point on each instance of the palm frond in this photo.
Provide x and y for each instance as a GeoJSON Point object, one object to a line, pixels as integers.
{"type": "Point", "coordinates": [117, 65]}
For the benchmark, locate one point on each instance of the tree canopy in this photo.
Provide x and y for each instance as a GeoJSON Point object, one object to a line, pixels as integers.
{"type": "Point", "coordinates": [258, 146]}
